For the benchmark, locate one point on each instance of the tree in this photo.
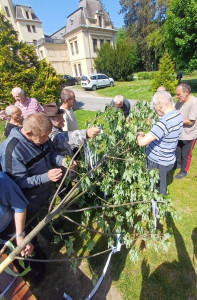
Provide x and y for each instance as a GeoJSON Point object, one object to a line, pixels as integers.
{"type": "Point", "coordinates": [142, 17]}
{"type": "Point", "coordinates": [46, 87]}
{"type": "Point", "coordinates": [19, 66]}
{"type": "Point", "coordinates": [18, 62]}
{"type": "Point", "coordinates": [114, 194]}
{"type": "Point", "coordinates": [181, 32]}
{"type": "Point", "coordinates": [166, 75]}
{"type": "Point", "coordinates": [118, 61]}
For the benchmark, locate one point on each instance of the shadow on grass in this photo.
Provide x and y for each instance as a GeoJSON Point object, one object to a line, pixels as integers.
{"type": "Point", "coordinates": [171, 280]}
{"type": "Point", "coordinates": [115, 268]}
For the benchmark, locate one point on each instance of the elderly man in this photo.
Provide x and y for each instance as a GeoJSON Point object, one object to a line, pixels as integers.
{"type": "Point", "coordinates": [12, 213]}
{"type": "Point", "coordinates": [15, 118]}
{"type": "Point", "coordinates": [187, 106]}
{"type": "Point", "coordinates": [28, 106]}
{"type": "Point", "coordinates": [28, 156]}
{"type": "Point", "coordinates": [162, 139]}
{"type": "Point", "coordinates": [67, 103]}
{"type": "Point", "coordinates": [122, 103]}
{"type": "Point", "coordinates": [66, 141]}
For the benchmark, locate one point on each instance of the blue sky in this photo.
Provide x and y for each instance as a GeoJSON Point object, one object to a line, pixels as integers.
{"type": "Point", "coordinates": [53, 13]}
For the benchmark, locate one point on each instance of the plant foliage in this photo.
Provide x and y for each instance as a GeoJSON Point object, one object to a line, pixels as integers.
{"type": "Point", "coordinates": [19, 66]}
{"type": "Point", "coordinates": [166, 75]}
{"type": "Point", "coordinates": [118, 190]}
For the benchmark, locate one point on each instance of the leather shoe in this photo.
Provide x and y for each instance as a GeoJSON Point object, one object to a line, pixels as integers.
{"type": "Point", "coordinates": [180, 175]}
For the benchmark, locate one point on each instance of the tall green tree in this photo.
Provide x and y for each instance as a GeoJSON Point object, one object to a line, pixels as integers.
{"type": "Point", "coordinates": [118, 61]}
{"type": "Point", "coordinates": [181, 32]}
{"type": "Point", "coordinates": [46, 88]}
{"type": "Point", "coordinates": [142, 17]}
{"type": "Point", "coordinates": [19, 66]}
{"type": "Point", "coordinates": [166, 75]}
{"type": "Point", "coordinates": [18, 62]}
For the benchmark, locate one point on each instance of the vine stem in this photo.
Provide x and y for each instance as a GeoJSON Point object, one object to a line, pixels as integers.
{"type": "Point", "coordinates": [87, 228]}
{"type": "Point", "coordinates": [63, 259]}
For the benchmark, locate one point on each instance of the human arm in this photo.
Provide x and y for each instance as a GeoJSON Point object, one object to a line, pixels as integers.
{"type": "Point", "coordinates": [143, 139]}
{"type": "Point", "coordinates": [188, 122]}
{"type": "Point", "coordinates": [20, 218]}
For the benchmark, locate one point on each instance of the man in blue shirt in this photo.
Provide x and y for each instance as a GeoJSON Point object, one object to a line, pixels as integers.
{"type": "Point", "coordinates": [163, 137]}
{"type": "Point", "coordinates": [12, 213]}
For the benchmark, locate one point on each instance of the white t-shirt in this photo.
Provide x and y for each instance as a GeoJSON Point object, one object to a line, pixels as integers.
{"type": "Point", "coordinates": [70, 122]}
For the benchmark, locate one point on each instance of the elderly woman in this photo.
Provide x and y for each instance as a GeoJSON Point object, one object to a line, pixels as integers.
{"type": "Point", "coordinates": [15, 117]}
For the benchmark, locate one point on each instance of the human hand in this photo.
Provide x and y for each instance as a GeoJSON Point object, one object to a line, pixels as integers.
{"type": "Point", "coordinates": [66, 163]}
{"type": "Point", "coordinates": [54, 174]}
{"type": "Point", "coordinates": [140, 133]}
{"type": "Point", "coordinates": [92, 132]}
{"type": "Point", "coordinates": [27, 250]}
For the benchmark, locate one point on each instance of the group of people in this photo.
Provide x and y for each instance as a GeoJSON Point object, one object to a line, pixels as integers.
{"type": "Point", "coordinates": [31, 157]}
{"type": "Point", "coordinates": [38, 138]}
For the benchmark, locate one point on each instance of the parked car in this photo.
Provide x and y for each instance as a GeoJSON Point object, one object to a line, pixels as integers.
{"type": "Point", "coordinates": [69, 80]}
{"type": "Point", "coordinates": [95, 81]}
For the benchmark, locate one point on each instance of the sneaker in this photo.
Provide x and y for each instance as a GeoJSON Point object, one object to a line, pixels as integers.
{"type": "Point", "coordinates": [180, 175]}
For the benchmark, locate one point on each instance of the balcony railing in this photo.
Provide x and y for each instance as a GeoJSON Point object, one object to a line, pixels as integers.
{"type": "Point", "coordinates": [50, 40]}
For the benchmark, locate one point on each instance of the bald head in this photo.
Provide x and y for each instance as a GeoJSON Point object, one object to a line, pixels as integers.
{"type": "Point", "coordinates": [38, 124]}
{"type": "Point", "coordinates": [118, 100]}
{"type": "Point", "coordinates": [162, 97]}
{"type": "Point", "coordinates": [161, 88]}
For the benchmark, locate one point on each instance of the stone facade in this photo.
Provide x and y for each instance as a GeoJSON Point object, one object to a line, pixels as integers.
{"type": "Point", "coordinates": [70, 50]}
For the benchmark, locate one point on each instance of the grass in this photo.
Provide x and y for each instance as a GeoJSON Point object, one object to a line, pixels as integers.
{"type": "Point", "coordinates": [141, 89]}
{"type": "Point", "coordinates": [162, 275]}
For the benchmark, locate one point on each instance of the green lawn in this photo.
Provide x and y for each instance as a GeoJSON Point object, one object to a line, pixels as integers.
{"type": "Point", "coordinates": [141, 89]}
{"type": "Point", "coordinates": [162, 275]}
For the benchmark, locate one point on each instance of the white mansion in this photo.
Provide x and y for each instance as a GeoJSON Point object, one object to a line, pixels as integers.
{"type": "Point", "coordinates": [72, 48]}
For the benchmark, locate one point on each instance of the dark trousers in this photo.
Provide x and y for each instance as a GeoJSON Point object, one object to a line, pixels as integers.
{"type": "Point", "coordinates": [163, 170]}
{"type": "Point", "coordinates": [184, 154]}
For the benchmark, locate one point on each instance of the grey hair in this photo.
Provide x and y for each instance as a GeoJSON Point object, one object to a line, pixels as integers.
{"type": "Point", "coordinates": [9, 110]}
{"type": "Point", "coordinates": [185, 87]}
{"type": "Point", "coordinates": [163, 97]}
{"type": "Point", "coordinates": [118, 99]}
{"type": "Point", "coordinates": [17, 90]}
{"type": "Point", "coordinates": [66, 94]}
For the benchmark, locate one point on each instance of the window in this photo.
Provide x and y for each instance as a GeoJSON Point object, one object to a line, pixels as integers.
{"type": "Point", "coordinates": [94, 45]}
{"type": "Point", "coordinates": [76, 73]}
{"type": "Point", "coordinates": [41, 54]}
{"type": "Point", "coordinates": [76, 47]}
{"type": "Point", "coordinates": [109, 41]}
{"type": "Point", "coordinates": [27, 14]}
{"type": "Point", "coordinates": [100, 21]}
{"type": "Point", "coordinates": [7, 11]}
{"type": "Point", "coordinates": [28, 28]}
{"type": "Point", "coordinates": [34, 28]}
{"type": "Point", "coordinates": [101, 42]}
{"type": "Point", "coordinates": [79, 68]}
{"type": "Point", "coordinates": [72, 48]}
{"type": "Point", "coordinates": [35, 42]}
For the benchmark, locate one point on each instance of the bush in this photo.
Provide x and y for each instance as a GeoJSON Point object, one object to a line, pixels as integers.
{"type": "Point", "coordinates": [166, 76]}
{"type": "Point", "coordinates": [145, 75]}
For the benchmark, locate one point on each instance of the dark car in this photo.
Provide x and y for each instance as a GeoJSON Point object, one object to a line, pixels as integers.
{"type": "Point", "coordinates": [69, 80]}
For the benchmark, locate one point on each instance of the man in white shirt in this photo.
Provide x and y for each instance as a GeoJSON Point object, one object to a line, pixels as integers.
{"type": "Point", "coordinates": [67, 103]}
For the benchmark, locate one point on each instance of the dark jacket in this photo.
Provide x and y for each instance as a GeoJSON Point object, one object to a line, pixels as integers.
{"type": "Point", "coordinates": [28, 165]}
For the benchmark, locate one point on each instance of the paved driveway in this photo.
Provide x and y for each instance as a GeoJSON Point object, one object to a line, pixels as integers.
{"type": "Point", "coordinates": [89, 100]}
